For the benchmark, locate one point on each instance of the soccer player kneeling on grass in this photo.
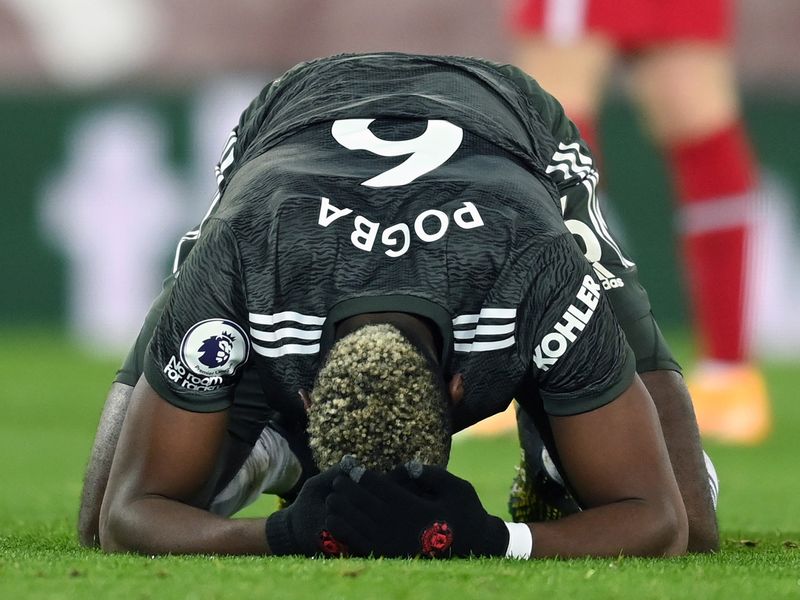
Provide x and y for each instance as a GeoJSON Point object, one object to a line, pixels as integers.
{"type": "Point", "coordinates": [400, 245]}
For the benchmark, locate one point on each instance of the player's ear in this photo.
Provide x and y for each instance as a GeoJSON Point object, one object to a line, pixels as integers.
{"type": "Point", "coordinates": [305, 397]}
{"type": "Point", "coordinates": [455, 389]}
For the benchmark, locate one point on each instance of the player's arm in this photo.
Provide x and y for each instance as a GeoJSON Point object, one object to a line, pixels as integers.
{"type": "Point", "coordinates": [164, 469]}
{"type": "Point", "coordinates": [571, 167]}
{"type": "Point", "coordinates": [158, 484]}
{"type": "Point", "coordinates": [161, 481]}
{"type": "Point", "coordinates": [175, 425]}
{"type": "Point", "coordinates": [682, 437]}
{"type": "Point", "coordinates": [655, 364]}
{"type": "Point", "coordinates": [658, 369]}
{"type": "Point", "coordinates": [604, 423]}
{"type": "Point", "coordinates": [118, 398]}
{"type": "Point", "coordinates": [96, 477]}
{"type": "Point", "coordinates": [110, 425]}
{"type": "Point", "coordinates": [617, 464]}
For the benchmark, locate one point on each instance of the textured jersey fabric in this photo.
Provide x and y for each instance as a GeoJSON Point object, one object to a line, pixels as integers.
{"type": "Point", "coordinates": [436, 186]}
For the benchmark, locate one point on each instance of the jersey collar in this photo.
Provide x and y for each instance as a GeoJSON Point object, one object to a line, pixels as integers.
{"type": "Point", "coordinates": [392, 303]}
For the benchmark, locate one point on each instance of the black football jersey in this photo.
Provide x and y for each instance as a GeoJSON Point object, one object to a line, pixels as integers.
{"type": "Point", "coordinates": [388, 182]}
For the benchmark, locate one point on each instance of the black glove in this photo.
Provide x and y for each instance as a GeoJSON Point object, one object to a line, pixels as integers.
{"type": "Point", "coordinates": [412, 511]}
{"type": "Point", "coordinates": [300, 528]}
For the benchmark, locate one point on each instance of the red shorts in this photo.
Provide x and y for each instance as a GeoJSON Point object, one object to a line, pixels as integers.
{"type": "Point", "coordinates": [630, 24]}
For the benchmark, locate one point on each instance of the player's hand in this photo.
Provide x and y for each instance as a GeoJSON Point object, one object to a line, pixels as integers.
{"type": "Point", "coordinates": [300, 528]}
{"type": "Point", "coordinates": [412, 511]}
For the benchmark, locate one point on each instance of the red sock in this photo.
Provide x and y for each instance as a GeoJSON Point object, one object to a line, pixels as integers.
{"type": "Point", "coordinates": [715, 179]}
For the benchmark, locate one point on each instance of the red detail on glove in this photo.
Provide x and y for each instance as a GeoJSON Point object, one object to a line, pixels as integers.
{"type": "Point", "coordinates": [436, 539]}
{"type": "Point", "coordinates": [331, 546]}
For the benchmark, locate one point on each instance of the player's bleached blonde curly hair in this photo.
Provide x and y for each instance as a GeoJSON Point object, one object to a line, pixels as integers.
{"type": "Point", "coordinates": [378, 398]}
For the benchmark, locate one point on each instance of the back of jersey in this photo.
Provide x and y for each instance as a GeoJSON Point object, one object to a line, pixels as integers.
{"type": "Point", "coordinates": [416, 176]}
{"type": "Point", "coordinates": [389, 183]}
{"type": "Point", "coordinates": [363, 208]}
{"type": "Point", "coordinates": [473, 94]}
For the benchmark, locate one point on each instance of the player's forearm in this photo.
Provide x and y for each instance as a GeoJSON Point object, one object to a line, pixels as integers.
{"type": "Point", "coordinates": [89, 512]}
{"type": "Point", "coordinates": [629, 527]}
{"type": "Point", "coordinates": [158, 525]}
{"type": "Point", "coordinates": [96, 478]}
{"type": "Point", "coordinates": [682, 437]}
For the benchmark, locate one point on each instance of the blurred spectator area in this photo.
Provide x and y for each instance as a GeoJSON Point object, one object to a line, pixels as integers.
{"type": "Point", "coordinates": [73, 71]}
{"type": "Point", "coordinates": [173, 42]}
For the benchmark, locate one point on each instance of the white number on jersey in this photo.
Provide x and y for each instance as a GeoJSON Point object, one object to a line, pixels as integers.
{"type": "Point", "coordinates": [427, 152]}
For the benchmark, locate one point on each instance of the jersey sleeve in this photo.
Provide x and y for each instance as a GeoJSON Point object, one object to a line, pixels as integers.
{"type": "Point", "coordinates": [200, 345]}
{"type": "Point", "coordinates": [572, 168]}
{"type": "Point", "coordinates": [580, 358]}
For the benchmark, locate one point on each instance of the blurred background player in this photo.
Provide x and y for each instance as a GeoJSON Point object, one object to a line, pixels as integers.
{"type": "Point", "coordinates": [682, 79]}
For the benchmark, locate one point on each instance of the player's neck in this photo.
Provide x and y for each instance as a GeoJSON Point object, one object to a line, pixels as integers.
{"type": "Point", "coordinates": [417, 330]}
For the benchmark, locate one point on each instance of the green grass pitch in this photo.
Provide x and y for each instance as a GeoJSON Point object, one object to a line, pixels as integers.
{"type": "Point", "coordinates": [51, 399]}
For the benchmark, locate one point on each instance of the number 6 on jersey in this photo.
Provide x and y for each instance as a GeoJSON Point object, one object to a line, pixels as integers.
{"type": "Point", "coordinates": [428, 151]}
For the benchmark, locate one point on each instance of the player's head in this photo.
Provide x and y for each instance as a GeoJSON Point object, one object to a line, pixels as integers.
{"type": "Point", "coordinates": [379, 398]}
